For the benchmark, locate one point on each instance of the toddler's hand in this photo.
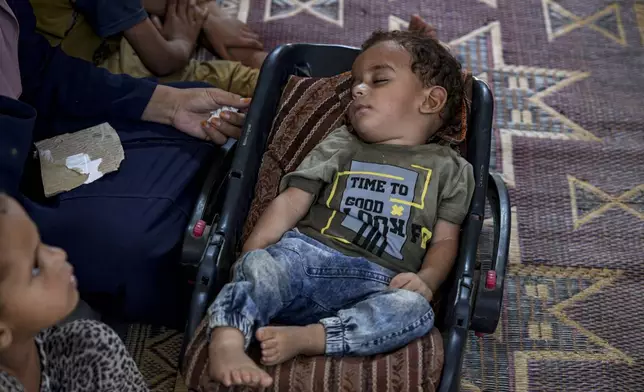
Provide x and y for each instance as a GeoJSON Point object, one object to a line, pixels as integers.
{"type": "Point", "coordinates": [412, 282]}
{"type": "Point", "coordinates": [182, 25]}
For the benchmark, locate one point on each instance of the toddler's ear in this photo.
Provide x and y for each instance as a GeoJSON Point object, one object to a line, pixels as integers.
{"type": "Point", "coordinates": [6, 337]}
{"type": "Point", "coordinates": [435, 99]}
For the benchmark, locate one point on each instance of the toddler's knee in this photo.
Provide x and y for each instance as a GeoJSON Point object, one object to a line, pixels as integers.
{"type": "Point", "coordinates": [417, 311]}
{"type": "Point", "coordinates": [256, 263]}
{"type": "Point", "coordinates": [413, 303]}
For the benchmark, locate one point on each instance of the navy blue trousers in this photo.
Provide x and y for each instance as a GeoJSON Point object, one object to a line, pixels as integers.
{"type": "Point", "coordinates": [123, 232]}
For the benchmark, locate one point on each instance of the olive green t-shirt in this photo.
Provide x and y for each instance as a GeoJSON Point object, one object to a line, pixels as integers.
{"type": "Point", "coordinates": [381, 201]}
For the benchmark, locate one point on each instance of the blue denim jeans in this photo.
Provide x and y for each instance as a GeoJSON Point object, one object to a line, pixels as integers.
{"type": "Point", "coordinates": [299, 281]}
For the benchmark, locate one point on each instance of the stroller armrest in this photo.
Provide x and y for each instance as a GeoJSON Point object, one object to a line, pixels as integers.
{"type": "Point", "coordinates": [202, 219]}
{"type": "Point", "coordinates": [487, 308]}
{"type": "Point", "coordinates": [489, 296]}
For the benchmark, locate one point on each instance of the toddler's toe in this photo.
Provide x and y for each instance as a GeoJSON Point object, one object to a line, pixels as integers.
{"type": "Point", "coordinates": [269, 344]}
{"type": "Point", "coordinates": [237, 377]}
{"type": "Point", "coordinates": [264, 334]}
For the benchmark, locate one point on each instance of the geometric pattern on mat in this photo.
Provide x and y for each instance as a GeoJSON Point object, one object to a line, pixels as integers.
{"type": "Point", "coordinates": [607, 21]}
{"type": "Point", "coordinates": [537, 326]}
{"type": "Point", "coordinates": [491, 3]}
{"type": "Point", "coordinates": [237, 9]}
{"type": "Point", "coordinates": [519, 93]}
{"type": "Point", "coordinates": [331, 11]}
{"type": "Point", "coordinates": [396, 23]}
{"type": "Point", "coordinates": [588, 202]}
{"type": "Point", "coordinates": [638, 8]}
{"type": "Point", "coordinates": [156, 351]}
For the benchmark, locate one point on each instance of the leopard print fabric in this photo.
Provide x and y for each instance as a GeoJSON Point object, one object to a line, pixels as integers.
{"type": "Point", "coordinates": [80, 356]}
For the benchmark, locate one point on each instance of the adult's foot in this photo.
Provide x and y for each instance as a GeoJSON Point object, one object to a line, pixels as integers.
{"type": "Point", "coordinates": [229, 363]}
{"type": "Point", "coordinates": [279, 344]}
{"type": "Point", "coordinates": [417, 24]}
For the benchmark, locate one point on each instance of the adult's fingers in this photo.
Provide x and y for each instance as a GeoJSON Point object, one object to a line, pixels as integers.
{"type": "Point", "coordinates": [214, 135]}
{"type": "Point", "coordinates": [236, 119]}
{"type": "Point", "coordinates": [226, 98]}
{"type": "Point", "coordinates": [227, 129]}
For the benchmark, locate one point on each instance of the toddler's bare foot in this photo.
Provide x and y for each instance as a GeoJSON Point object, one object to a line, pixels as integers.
{"type": "Point", "coordinates": [229, 363]}
{"type": "Point", "coordinates": [417, 24]}
{"type": "Point", "coordinates": [279, 344]}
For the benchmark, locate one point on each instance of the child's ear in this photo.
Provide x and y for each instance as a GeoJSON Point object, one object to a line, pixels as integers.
{"type": "Point", "coordinates": [435, 99]}
{"type": "Point", "coordinates": [6, 337]}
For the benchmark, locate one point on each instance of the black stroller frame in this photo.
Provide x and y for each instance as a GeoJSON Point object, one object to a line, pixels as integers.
{"type": "Point", "coordinates": [472, 296]}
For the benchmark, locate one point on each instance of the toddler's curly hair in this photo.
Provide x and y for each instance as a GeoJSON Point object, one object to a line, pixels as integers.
{"type": "Point", "coordinates": [432, 63]}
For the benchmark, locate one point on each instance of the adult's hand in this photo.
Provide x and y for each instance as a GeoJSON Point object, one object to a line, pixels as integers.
{"type": "Point", "coordinates": [189, 109]}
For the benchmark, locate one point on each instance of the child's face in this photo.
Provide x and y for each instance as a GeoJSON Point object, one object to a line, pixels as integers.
{"type": "Point", "coordinates": [390, 104]}
{"type": "Point", "coordinates": [37, 284]}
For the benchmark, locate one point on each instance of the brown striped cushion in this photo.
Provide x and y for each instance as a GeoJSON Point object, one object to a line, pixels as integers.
{"type": "Point", "coordinates": [415, 367]}
{"type": "Point", "coordinates": [309, 110]}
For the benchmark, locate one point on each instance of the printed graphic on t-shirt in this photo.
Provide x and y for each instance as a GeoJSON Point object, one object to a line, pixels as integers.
{"type": "Point", "coordinates": [377, 202]}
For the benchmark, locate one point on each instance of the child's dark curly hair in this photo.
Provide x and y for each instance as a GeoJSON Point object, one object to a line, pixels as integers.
{"type": "Point", "coordinates": [432, 63]}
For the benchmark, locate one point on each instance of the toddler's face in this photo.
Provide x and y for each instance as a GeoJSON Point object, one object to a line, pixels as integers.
{"type": "Point", "coordinates": [37, 284]}
{"type": "Point", "coordinates": [387, 97]}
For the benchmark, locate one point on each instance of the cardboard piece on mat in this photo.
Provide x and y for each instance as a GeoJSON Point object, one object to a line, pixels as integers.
{"type": "Point", "coordinates": [73, 159]}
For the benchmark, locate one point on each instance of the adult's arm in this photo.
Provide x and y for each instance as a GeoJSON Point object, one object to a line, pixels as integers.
{"type": "Point", "coordinates": [54, 83]}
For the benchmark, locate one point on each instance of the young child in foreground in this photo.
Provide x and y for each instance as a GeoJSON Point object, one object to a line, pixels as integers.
{"type": "Point", "coordinates": [38, 290]}
{"type": "Point", "coordinates": [363, 233]}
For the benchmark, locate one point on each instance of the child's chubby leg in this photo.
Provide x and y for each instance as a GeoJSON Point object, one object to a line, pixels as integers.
{"type": "Point", "coordinates": [265, 282]}
{"type": "Point", "coordinates": [382, 322]}
{"type": "Point", "coordinates": [360, 314]}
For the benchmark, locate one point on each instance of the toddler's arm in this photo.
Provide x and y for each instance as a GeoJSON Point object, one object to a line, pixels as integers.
{"type": "Point", "coordinates": [299, 189]}
{"type": "Point", "coordinates": [452, 210]}
{"type": "Point", "coordinates": [440, 256]}
{"type": "Point", "coordinates": [281, 215]}
{"type": "Point", "coordinates": [165, 49]}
